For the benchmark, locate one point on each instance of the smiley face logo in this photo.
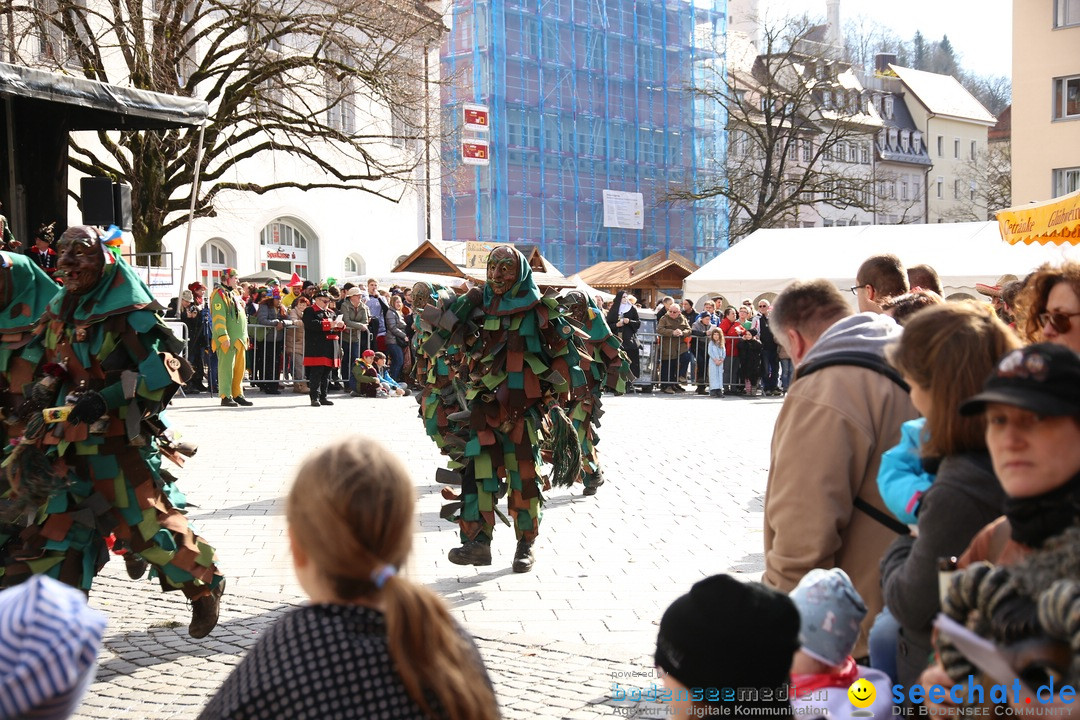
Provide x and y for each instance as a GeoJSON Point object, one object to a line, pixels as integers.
{"type": "Point", "coordinates": [861, 693]}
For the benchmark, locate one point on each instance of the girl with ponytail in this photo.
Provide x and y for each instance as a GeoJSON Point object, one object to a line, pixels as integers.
{"type": "Point", "coordinates": [371, 644]}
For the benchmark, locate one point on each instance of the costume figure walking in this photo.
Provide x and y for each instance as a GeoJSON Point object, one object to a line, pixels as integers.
{"type": "Point", "coordinates": [606, 367]}
{"type": "Point", "coordinates": [523, 368]}
{"type": "Point", "coordinates": [228, 326]}
{"type": "Point", "coordinates": [87, 462]}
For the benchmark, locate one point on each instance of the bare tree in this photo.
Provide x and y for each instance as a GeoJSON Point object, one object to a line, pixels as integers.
{"type": "Point", "coordinates": [988, 179]}
{"type": "Point", "coordinates": [340, 86]}
{"type": "Point", "coordinates": [792, 126]}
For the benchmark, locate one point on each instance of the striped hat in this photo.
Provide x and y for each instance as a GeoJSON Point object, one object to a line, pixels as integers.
{"type": "Point", "coordinates": [49, 641]}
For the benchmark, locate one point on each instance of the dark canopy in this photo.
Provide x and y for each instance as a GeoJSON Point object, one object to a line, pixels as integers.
{"type": "Point", "coordinates": [40, 108]}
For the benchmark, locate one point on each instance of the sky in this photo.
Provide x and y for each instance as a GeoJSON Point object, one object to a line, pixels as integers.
{"type": "Point", "coordinates": [979, 30]}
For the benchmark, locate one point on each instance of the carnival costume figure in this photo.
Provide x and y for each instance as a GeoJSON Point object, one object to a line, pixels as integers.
{"type": "Point", "coordinates": [522, 367]}
{"type": "Point", "coordinates": [606, 367]}
{"type": "Point", "coordinates": [229, 338]}
{"type": "Point", "coordinates": [440, 346]}
{"type": "Point", "coordinates": [88, 461]}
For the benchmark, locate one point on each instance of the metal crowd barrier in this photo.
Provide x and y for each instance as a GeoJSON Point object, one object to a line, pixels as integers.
{"type": "Point", "coordinates": [665, 359]}
{"type": "Point", "coordinates": [276, 355]}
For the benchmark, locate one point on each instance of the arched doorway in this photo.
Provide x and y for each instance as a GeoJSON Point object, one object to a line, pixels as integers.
{"type": "Point", "coordinates": [287, 245]}
{"type": "Point", "coordinates": [215, 255]}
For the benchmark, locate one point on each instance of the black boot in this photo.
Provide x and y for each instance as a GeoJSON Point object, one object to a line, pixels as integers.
{"type": "Point", "coordinates": [228, 402]}
{"type": "Point", "coordinates": [241, 400]}
{"type": "Point", "coordinates": [205, 611]}
{"type": "Point", "coordinates": [136, 566]}
{"type": "Point", "coordinates": [523, 556]}
{"type": "Point", "coordinates": [473, 552]}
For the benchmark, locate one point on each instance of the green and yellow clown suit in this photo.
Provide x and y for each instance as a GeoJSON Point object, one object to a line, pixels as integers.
{"type": "Point", "coordinates": [105, 354]}
{"type": "Point", "coordinates": [229, 336]}
{"type": "Point", "coordinates": [523, 366]}
{"type": "Point", "coordinates": [606, 367]}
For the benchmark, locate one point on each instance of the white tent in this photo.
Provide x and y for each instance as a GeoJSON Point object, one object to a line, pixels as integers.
{"type": "Point", "coordinates": [962, 253]}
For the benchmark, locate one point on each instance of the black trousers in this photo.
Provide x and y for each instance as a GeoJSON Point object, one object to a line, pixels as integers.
{"type": "Point", "coordinates": [318, 381]}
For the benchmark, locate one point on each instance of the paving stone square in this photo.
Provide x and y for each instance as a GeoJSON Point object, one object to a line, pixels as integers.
{"type": "Point", "coordinates": [572, 639]}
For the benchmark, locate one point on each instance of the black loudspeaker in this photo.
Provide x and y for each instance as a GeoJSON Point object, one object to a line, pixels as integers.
{"type": "Point", "coordinates": [96, 201]}
{"type": "Point", "coordinates": [122, 206]}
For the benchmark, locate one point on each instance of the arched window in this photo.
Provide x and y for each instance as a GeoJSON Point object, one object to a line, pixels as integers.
{"type": "Point", "coordinates": [283, 233]}
{"type": "Point", "coordinates": [215, 255]}
{"type": "Point", "coordinates": [354, 265]}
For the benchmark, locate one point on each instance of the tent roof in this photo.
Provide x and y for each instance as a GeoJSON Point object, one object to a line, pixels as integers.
{"type": "Point", "coordinates": [632, 273]}
{"type": "Point", "coordinates": [962, 253]}
{"type": "Point", "coordinates": [92, 105]}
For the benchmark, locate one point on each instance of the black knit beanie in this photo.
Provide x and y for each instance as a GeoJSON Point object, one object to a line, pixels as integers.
{"type": "Point", "coordinates": [729, 634]}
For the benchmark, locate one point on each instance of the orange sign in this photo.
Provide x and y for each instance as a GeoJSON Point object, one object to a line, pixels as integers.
{"type": "Point", "coordinates": [1052, 221]}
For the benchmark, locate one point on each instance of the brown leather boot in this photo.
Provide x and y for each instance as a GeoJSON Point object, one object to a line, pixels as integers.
{"type": "Point", "coordinates": [205, 611]}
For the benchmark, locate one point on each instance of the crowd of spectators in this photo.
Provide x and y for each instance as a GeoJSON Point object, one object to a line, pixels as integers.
{"type": "Point", "coordinates": [372, 319]}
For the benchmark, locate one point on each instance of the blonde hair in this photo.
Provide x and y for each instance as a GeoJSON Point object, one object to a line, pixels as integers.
{"type": "Point", "coordinates": [351, 509]}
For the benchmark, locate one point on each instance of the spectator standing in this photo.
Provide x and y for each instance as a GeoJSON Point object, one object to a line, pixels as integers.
{"type": "Point", "coordinates": [370, 643]}
{"type": "Point", "coordinates": [924, 277]}
{"type": "Point", "coordinates": [196, 317]}
{"type": "Point", "coordinates": [397, 339]}
{"type": "Point", "coordinates": [623, 319]}
{"type": "Point", "coordinates": [270, 343]}
{"type": "Point", "coordinates": [699, 331]}
{"type": "Point", "coordinates": [716, 355]}
{"type": "Point", "coordinates": [770, 357]}
{"type": "Point", "coordinates": [878, 278]}
{"type": "Point", "coordinates": [355, 338]}
{"type": "Point", "coordinates": [671, 329]}
{"type": "Point", "coordinates": [733, 332]}
{"type": "Point", "coordinates": [687, 355]}
{"type": "Point", "coordinates": [1048, 308]}
{"type": "Point", "coordinates": [294, 343]}
{"type": "Point", "coordinates": [42, 252]}
{"type": "Point", "coordinates": [377, 312]}
{"type": "Point", "coordinates": [320, 347]}
{"type": "Point", "coordinates": [844, 409]}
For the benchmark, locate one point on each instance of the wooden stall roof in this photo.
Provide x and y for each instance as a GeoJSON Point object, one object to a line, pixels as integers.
{"type": "Point", "coordinates": [427, 258]}
{"type": "Point", "coordinates": [647, 272]}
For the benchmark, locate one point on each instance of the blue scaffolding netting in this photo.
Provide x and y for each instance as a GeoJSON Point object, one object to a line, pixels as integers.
{"type": "Point", "coordinates": [586, 96]}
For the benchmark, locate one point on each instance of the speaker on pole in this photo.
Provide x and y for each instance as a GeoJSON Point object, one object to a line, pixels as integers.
{"type": "Point", "coordinates": [96, 201]}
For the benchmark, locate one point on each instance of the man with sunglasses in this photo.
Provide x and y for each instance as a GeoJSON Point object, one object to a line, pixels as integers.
{"type": "Point", "coordinates": [770, 352]}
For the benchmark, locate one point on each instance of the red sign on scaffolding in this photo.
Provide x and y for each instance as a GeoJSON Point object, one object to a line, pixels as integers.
{"type": "Point", "coordinates": [477, 117]}
{"type": "Point", "coordinates": [475, 152]}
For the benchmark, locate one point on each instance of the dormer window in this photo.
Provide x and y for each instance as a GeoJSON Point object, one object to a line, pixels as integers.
{"type": "Point", "coordinates": [892, 139]}
{"type": "Point", "coordinates": [881, 139]}
{"type": "Point", "coordinates": [905, 140]}
{"type": "Point", "coordinates": [826, 99]}
{"type": "Point", "coordinates": [916, 141]}
{"type": "Point", "coordinates": [889, 107]}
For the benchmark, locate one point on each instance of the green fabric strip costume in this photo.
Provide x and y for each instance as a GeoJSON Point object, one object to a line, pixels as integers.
{"type": "Point", "coordinates": [105, 354]}
{"type": "Point", "coordinates": [523, 365]}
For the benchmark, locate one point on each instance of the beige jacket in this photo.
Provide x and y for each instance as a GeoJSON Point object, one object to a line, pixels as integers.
{"type": "Point", "coordinates": [826, 449]}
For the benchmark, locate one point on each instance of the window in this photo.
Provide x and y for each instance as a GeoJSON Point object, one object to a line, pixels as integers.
{"type": "Point", "coordinates": [1067, 97]}
{"type": "Point", "coordinates": [1066, 180]}
{"type": "Point", "coordinates": [972, 190]}
{"type": "Point", "coordinates": [340, 108]}
{"type": "Point", "coordinates": [972, 149]}
{"type": "Point", "coordinates": [940, 187]}
{"type": "Point", "coordinates": [916, 141]}
{"type": "Point", "coordinates": [807, 149]}
{"type": "Point", "coordinates": [956, 148]}
{"type": "Point", "coordinates": [279, 234]}
{"type": "Point", "coordinates": [1066, 12]}
{"type": "Point", "coordinates": [904, 190]}
{"type": "Point", "coordinates": [864, 155]}
{"type": "Point", "coordinates": [956, 189]}
{"type": "Point", "coordinates": [888, 107]}
{"type": "Point", "coordinates": [940, 146]}
{"type": "Point", "coordinates": [827, 223]}
{"type": "Point", "coordinates": [354, 265]}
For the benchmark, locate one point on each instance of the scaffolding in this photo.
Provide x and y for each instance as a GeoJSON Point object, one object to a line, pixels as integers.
{"type": "Point", "coordinates": [586, 95]}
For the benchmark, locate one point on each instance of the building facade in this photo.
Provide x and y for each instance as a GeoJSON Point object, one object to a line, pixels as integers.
{"type": "Point", "coordinates": [1046, 99]}
{"type": "Point", "coordinates": [586, 100]}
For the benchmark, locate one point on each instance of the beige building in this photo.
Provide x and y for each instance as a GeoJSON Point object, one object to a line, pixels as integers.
{"type": "Point", "coordinates": [1046, 99]}
{"type": "Point", "coordinates": [954, 126]}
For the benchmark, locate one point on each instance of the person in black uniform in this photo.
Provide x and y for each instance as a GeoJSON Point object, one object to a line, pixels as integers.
{"type": "Point", "coordinates": [321, 331]}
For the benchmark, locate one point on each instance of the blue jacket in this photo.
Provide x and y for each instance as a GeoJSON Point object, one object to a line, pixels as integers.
{"type": "Point", "coordinates": [901, 477]}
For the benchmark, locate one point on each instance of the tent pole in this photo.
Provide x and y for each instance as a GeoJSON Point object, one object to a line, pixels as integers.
{"type": "Point", "coordinates": [191, 216]}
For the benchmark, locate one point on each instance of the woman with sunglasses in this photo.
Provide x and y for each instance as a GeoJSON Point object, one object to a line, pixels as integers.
{"type": "Point", "coordinates": [1048, 308]}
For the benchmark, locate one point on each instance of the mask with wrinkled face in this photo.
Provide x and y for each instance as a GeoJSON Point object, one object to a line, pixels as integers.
{"type": "Point", "coordinates": [80, 259]}
{"type": "Point", "coordinates": [502, 270]}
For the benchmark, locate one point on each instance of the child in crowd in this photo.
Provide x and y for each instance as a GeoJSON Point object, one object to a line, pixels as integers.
{"type": "Point", "coordinates": [371, 643]}
{"type": "Point", "coordinates": [716, 355]}
{"type": "Point", "coordinates": [902, 480]}
{"type": "Point", "coordinates": [49, 642]}
{"type": "Point", "coordinates": [366, 376]}
{"type": "Point", "coordinates": [830, 611]}
{"type": "Point", "coordinates": [387, 384]}
{"type": "Point", "coordinates": [727, 634]}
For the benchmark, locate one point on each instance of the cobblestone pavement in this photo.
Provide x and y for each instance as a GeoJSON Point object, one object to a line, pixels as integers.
{"type": "Point", "coordinates": [686, 478]}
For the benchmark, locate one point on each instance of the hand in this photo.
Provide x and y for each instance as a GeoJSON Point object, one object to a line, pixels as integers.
{"type": "Point", "coordinates": [936, 675]}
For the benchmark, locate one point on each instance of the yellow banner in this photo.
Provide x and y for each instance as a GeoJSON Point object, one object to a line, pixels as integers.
{"type": "Point", "coordinates": [1053, 221]}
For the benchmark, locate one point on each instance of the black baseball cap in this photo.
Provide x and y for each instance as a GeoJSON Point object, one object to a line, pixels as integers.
{"type": "Point", "coordinates": [1043, 378]}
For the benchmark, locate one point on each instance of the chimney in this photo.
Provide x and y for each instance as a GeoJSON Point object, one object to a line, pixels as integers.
{"type": "Point", "coordinates": [833, 32]}
{"type": "Point", "coordinates": [882, 61]}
